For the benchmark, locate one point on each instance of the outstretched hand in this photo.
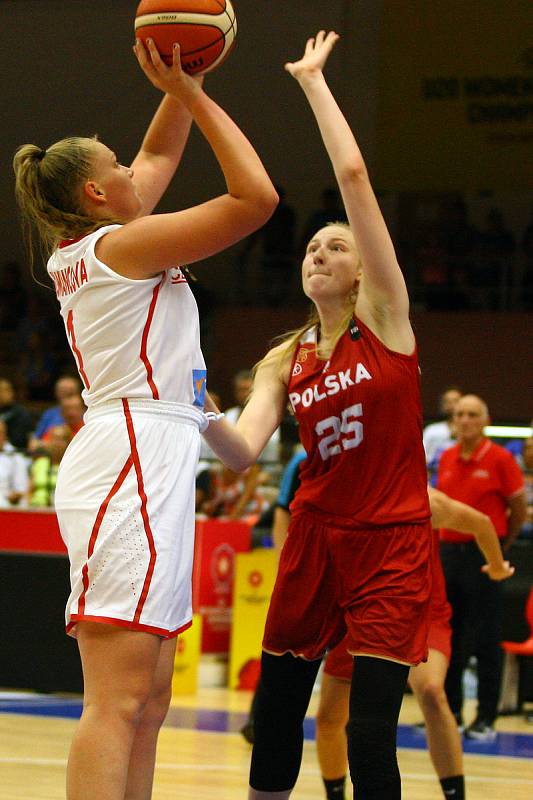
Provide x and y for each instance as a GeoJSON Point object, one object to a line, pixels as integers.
{"type": "Point", "coordinates": [316, 54]}
{"type": "Point", "coordinates": [498, 573]}
{"type": "Point", "coordinates": [169, 79]}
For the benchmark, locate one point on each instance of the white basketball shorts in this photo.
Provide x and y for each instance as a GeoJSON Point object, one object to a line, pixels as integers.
{"type": "Point", "coordinates": [125, 502]}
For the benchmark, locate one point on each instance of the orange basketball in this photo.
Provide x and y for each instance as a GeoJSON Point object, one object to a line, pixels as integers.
{"type": "Point", "coordinates": [204, 29]}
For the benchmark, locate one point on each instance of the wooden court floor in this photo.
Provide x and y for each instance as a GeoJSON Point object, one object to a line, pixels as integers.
{"type": "Point", "coordinates": [198, 763]}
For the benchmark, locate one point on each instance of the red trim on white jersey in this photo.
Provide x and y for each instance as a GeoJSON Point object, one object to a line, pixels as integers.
{"type": "Point", "coordinates": [144, 511]}
{"type": "Point", "coordinates": [75, 350]}
{"type": "Point", "coordinates": [96, 530]}
{"type": "Point", "coordinates": [144, 341]}
{"type": "Point", "coordinates": [122, 623]}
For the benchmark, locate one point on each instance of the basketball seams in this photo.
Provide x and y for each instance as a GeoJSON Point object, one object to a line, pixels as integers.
{"type": "Point", "coordinates": [185, 18]}
{"type": "Point", "coordinates": [206, 36]}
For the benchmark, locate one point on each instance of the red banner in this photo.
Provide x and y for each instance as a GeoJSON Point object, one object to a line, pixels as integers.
{"type": "Point", "coordinates": [217, 542]}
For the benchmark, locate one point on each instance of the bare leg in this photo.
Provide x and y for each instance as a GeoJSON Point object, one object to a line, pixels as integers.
{"type": "Point", "coordinates": [143, 751]}
{"type": "Point", "coordinates": [118, 670]}
{"type": "Point", "coordinates": [444, 740]}
{"type": "Point", "coordinates": [331, 719]}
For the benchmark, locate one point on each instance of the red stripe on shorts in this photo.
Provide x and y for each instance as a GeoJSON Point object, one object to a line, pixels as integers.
{"type": "Point", "coordinates": [144, 341]}
{"type": "Point", "coordinates": [96, 530]}
{"type": "Point", "coordinates": [79, 359]}
{"type": "Point", "coordinates": [144, 512]}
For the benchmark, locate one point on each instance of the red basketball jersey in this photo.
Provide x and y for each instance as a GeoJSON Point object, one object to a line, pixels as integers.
{"type": "Point", "coordinates": [360, 422]}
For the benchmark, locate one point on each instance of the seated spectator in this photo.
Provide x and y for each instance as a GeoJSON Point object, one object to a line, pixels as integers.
{"type": "Point", "coordinates": [439, 435]}
{"type": "Point", "coordinates": [72, 410]}
{"type": "Point", "coordinates": [242, 385]}
{"type": "Point", "coordinates": [13, 472]}
{"type": "Point", "coordinates": [65, 386]}
{"type": "Point", "coordinates": [43, 471]}
{"type": "Point", "coordinates": [19, 421]}
{"type": "Point", "coordinates": [220, 492]}
{"type": "Point", "coordinates": [526, 531]}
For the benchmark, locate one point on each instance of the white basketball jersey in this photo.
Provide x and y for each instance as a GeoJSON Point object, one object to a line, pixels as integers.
{"type": "Point", "coordinates": [130, 338]}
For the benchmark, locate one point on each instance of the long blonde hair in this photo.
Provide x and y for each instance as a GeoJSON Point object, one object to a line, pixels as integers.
{"type": "Point", "coordinates": [288, 341]}
{"type": "Point", "coordinates": [48, 189]}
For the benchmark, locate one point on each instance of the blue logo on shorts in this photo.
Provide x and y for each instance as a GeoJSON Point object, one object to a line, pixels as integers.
{"type": "Point", "coordinates": [199, 384]}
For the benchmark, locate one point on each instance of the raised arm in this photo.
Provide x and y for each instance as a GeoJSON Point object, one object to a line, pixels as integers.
{"type": "Point", "coordinates": [161, 151]}
{"type": "Point", "coordinates": [383, 302]}
{"type": "Point", "coordinates": [460, 517]}
{"type": "Point", "coordinates": [154, 243]}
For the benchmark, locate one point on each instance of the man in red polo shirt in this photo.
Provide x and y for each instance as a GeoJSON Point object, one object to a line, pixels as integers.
{"type": "Point", "coordinates": [487, 477]}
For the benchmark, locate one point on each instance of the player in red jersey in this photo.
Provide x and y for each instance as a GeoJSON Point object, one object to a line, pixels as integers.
{"type": "Point", "coordinates": [427, 680]}
{"type": "Point", "coordinates": [357, 559]}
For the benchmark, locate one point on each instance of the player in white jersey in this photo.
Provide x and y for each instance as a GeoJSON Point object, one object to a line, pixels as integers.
{"type": "Point", "coordinates": [125, 491]}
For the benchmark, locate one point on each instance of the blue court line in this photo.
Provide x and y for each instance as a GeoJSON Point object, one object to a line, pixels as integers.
{"type": "Point", "coordinates": [510, 745]}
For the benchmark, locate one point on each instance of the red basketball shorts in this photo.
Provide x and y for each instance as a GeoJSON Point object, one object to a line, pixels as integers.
{"type": "Point", "coordinates": [372, 585]}
{"type": "Point", "coordinates": [339, 662]}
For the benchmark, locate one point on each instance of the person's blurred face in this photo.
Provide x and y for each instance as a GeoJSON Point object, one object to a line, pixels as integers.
{"type": "Point", "coordinates": [72, 409]}
{"type": "Point", "coordinates": [58, 441]}
{"type": "Point", "coordinates": [449, 401]}
{"type": "Point", "coordinates": [470, 417]}
{"type": "Point", "coordinates": [66, 387]}
{"type": "Point", "coordinates": [7, 393]}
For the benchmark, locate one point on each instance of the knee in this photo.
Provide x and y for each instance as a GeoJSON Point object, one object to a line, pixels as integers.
{"type": "Point", "coordinates": [432, 697]}
{"type": "Point", "coordinates": [330, 720]}
{"type": "Point", "coordinates": [156, 707]}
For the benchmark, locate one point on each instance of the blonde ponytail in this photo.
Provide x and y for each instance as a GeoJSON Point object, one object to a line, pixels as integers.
{"type": "Point", "coordinates": [48, 189]}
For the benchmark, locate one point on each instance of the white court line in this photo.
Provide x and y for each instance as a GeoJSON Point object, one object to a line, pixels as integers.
{"type": "Point", "coordinates": [411, 776]}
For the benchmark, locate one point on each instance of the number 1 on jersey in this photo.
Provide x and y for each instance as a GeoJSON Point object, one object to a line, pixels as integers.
{"type": "Point", "coordinates": [346, 432]}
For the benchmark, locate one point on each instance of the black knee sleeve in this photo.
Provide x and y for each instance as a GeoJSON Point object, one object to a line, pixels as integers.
{"type": "Point", "coordinates": [375, 700]}
{"type": "Point", "coordinates": [280, 704]}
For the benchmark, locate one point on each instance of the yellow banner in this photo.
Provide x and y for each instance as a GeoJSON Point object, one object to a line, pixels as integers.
{"type": "Point", "coordinates": [455, 95]}
{"type": "Point", "coordinates": [255, 574]}
{"type": "Point", "coordinates": [187, 659]}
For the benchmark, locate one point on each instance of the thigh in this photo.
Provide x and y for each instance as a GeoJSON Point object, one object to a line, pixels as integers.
{"type": "Point", "coordinates": [304, 617]}
{"type": "Point", "coordinates": [386, 580]}
{"type": "Point", "coordinates": [431, 673]}
{"type": "Point", "coordinates": [116, 663]}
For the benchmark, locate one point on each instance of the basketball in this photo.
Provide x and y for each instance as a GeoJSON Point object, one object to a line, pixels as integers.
{"type": "Point", "coordinates": [204, 29]}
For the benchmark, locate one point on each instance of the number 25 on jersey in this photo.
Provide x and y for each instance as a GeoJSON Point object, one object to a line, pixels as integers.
{"type": "Point", "coordinates": [346, 432]}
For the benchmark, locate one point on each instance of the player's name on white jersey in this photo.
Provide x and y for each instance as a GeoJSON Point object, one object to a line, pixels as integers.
{"type": "Point", "coordinates": [334, 383]}
{"type": "Point", "coordinates": [69, 279]}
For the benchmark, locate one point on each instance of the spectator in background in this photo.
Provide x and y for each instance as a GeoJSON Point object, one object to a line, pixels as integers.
{"type": "Point", "coordinates": [278, 261]}
{"type": "Point", "coordinates": [65, 386]}
{"type": "Point", "coordinates": [13, 296]}
{"type": "Point", "coordinates": [72, 410]}
{"type": "Point", "coordinates": [526, 531]}
{"type": "Point", "coordinates": [18, 420]}
{"type": "Point", "coordinates": [43, 471]}
{"type": "Point", "coordinates": [439, 435]}
{"type": "Point", "coordinates": [220, 492]}
{"type": "Point", "coordinates": [242, 386]}
{"type": "Point", "coordinates": [13, 472]}
{"type": "Point", "coordinates": [486, 476]}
